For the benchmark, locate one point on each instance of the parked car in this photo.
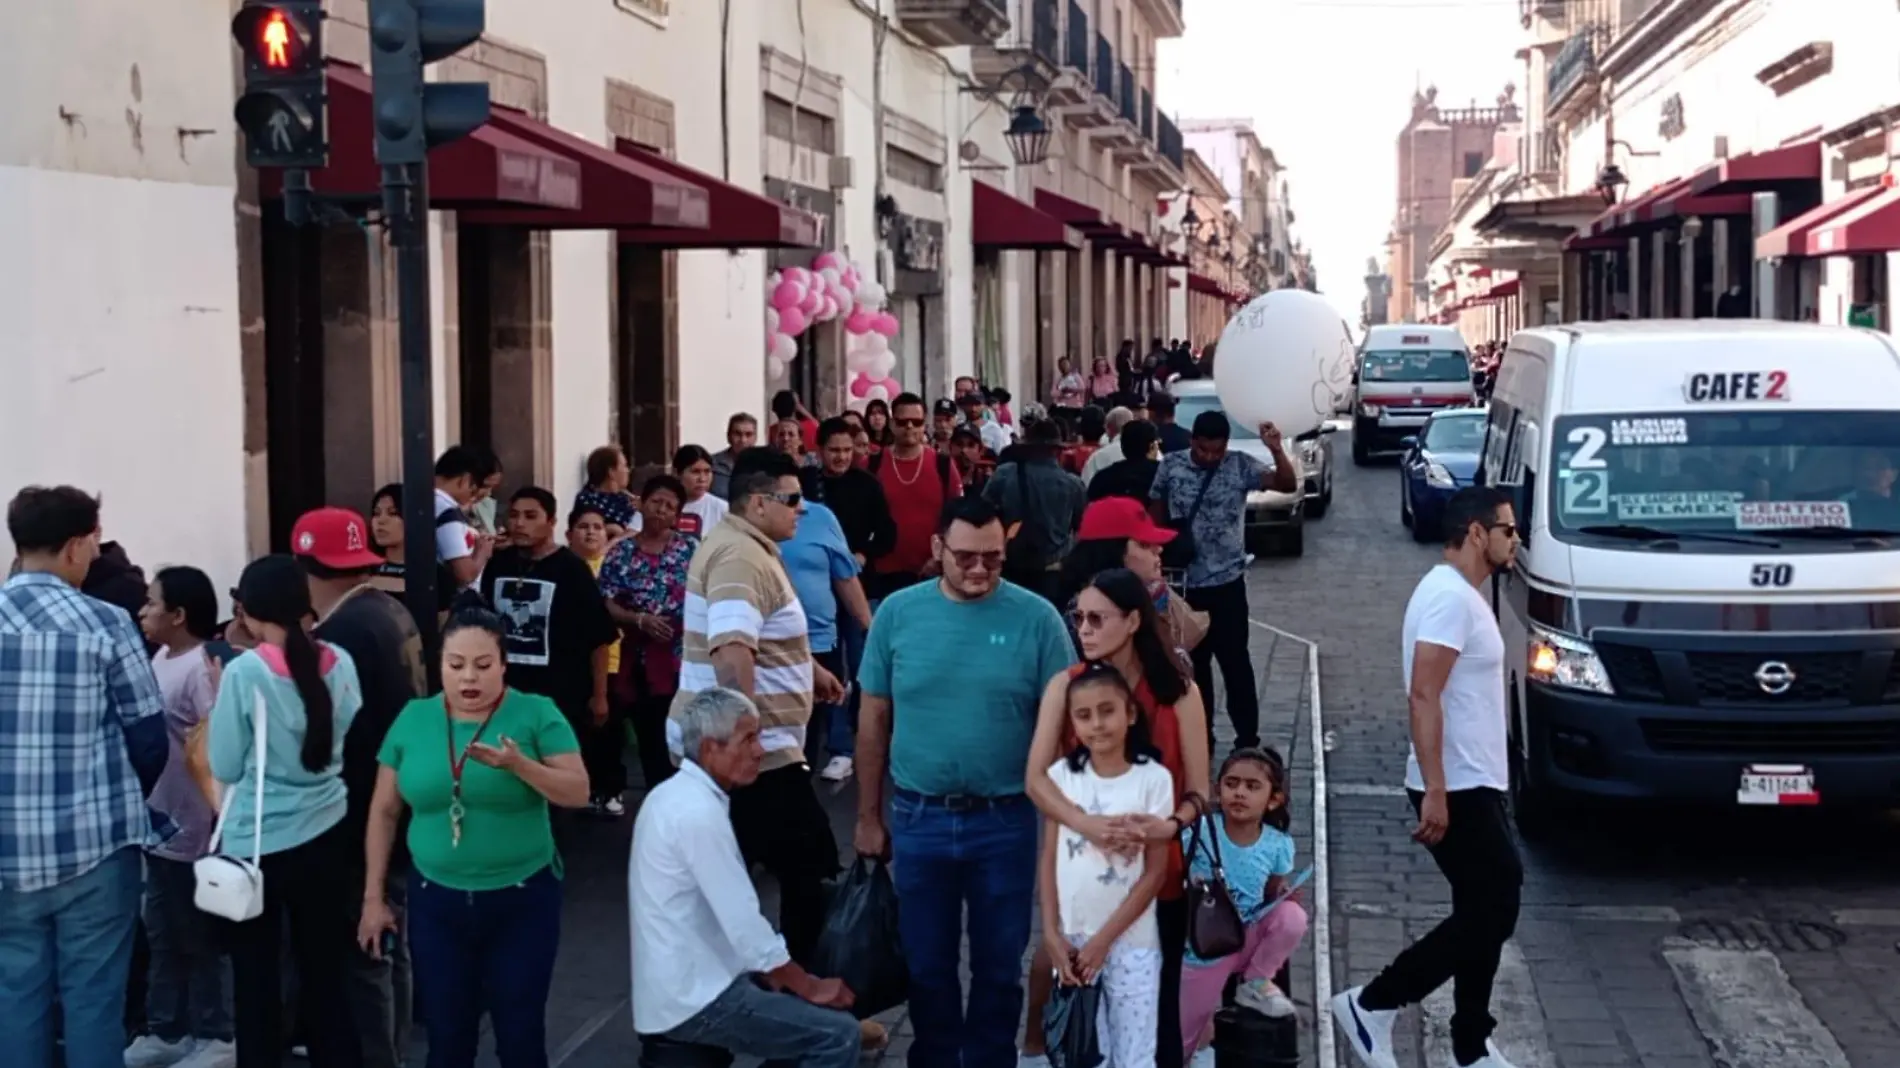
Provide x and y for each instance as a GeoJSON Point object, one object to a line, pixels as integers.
{"type": "Point", "coordinates": [1441, 460]}
{"type": "Point", "coordinates": [1276, 522]}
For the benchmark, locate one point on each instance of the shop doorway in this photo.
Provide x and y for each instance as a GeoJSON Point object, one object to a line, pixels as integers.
{"type": "Point", "coordinates": [645, 403]}
{"type": "Point", "coordinates": [496, 367]}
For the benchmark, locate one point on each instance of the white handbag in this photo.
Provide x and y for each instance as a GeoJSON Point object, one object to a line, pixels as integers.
{"type": "Point", "coordinates": [232, 887]}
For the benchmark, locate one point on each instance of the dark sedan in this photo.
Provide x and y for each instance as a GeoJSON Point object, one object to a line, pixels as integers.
{"type": "Point", "coordinates": [1441, 460]}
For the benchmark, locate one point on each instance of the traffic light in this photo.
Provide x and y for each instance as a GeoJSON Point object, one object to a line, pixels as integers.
{"type": "Point", "coordinates": [283, 108]}
{"type": "Point", "coordinates": [412, 116]}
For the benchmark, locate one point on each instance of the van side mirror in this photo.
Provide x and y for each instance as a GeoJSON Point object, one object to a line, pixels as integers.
{"type": "Point", "coordinates": [1408, 442]}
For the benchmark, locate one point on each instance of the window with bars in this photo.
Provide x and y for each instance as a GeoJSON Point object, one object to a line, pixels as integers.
{"type": "Point", "coordinates": [812, 130]}
{"type": "Point", "coordinates": [912, 169]}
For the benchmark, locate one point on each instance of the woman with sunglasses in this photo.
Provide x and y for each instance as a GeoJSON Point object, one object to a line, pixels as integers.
{"type": "Point", "coordinates": [1115, 619]}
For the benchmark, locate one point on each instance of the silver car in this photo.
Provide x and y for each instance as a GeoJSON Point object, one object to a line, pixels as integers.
{"type": "Point", "coordinates": [1276, 521]}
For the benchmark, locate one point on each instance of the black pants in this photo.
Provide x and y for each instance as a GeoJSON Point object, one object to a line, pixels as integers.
{"type": "Point", "coordinates": [1171, 921]}
{"type": "Point", "coordinates": [1226, 642]}
{"type": "Point", "coordinates": [780, 825]}
{"type": "Point", "coordinates": [649, 734]}
{"type": "Point", "coordinates": [1480, 861]}
{"type": "Point", "coordinates": [603, 751]}
{"type": "Point", "coordinates": [310, 889]}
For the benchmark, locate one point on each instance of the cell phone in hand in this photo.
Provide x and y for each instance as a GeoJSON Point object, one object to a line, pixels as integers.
{"type": "Point", "coordinates": [221, 651]}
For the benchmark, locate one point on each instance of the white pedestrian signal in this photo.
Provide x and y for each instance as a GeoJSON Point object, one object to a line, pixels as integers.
{"type": "Point", "coordinates": [280, 140]}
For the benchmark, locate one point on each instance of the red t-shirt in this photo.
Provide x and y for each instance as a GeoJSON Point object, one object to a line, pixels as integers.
{"type": "Point", "coordinates": [808, 429]}
{"type": "Point", "coordinates": [916, 495]}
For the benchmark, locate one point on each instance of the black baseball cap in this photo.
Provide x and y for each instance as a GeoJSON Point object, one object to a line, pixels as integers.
{"type": "Point", "coordinates": [945, 406]}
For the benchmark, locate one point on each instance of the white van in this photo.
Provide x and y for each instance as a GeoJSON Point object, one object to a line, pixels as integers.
{"type": "Point", "coordinates": [1404, 373]}
{"type": "Point", "coordinates": [1706, 604]}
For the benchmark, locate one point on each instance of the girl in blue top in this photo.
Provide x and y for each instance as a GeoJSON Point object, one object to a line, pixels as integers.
{"type": "Point", "coordinates": [309, 697]}
{"type": "Point", "coordinates": [1257, 854]}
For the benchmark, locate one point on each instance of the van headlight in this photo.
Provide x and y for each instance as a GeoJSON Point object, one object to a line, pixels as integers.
{"type": "Point", "coordinates": [1370, 411]}
{"type": "Point", "coordinates": [1561, 660]}
{"type": "Point", "coordinates": [1436, 475]}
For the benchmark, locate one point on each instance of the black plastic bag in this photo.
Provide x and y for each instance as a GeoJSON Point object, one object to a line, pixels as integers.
{"type": "Point", "coordinates": [860, 943]}
{"type": "Point", "coordinates": [1069, 1026]}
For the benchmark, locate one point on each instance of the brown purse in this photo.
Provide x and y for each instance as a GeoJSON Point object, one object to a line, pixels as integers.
{"type": "Point", "coordinates": [1214, 926]}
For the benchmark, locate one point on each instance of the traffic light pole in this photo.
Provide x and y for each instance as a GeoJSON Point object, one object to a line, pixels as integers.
{"type": "Point", "coordinates": [406, 207]}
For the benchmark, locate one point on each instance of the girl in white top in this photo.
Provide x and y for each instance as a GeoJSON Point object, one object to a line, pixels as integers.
{"type": "Point", "coordinates": [1098, 911]}
{"type": "Point", "coordinates": [693, 466]}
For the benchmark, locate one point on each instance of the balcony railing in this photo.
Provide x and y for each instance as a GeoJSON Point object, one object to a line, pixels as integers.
{"type": "Point", "coordinates": [1076, 54]}
{"type": "Point", "coordinates": [1575, 62]}
{"type": "Point", "coordinates": [1168, 141]}
{"type": "Point", "coordinates": [1104, 69]}
{"type": "Point", "coordinates": [1128, 98]}
{"type": "Point", "coordinates": [1147, 115]}
{"type": "Point", "coordinates": [1045, 30]}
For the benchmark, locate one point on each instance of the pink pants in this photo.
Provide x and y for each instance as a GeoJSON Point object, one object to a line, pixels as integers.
{"type": "Point", "coordinates": [1270, 941]}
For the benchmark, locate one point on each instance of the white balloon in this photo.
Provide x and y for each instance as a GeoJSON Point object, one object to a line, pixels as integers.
{"type": "Point", "coordinates": [882, 361]}
{"type": "Point", "coordinates": [771, 320]}
{"type": "Point", "coordinates": [774, 368]}
{"type": "Point", "coordinates": [871, 293]}
{"type": "Point", "coordinates": [874, 342]}
{"type": "Point", "coordinates": [783, 347]}
{"type": "Point", "coordinates": [877, 393]}
{"type": "Point", "coordinates": [1284, 359]}
{"type": "Point", "coordinates": [830, 275]}
{"type": "Point", "coordinates": [860, 361]}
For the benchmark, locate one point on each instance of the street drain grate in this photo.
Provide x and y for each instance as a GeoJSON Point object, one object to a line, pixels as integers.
{"type": "Point", "coordinates": [1782, 936]}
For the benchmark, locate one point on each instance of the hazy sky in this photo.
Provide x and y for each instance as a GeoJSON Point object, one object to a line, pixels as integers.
{"type": "Point", "coordinates": [1328, 85]}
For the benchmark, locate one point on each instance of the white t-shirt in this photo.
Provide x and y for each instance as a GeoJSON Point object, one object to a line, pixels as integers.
{"type": "Point", "coordinates": [455, 539]}
{"type": "Point", "coordinates": [710, 510]}
{"type": "Point", "coordinates": [1446, 610]}
{"type": "Point", "coordinates": [1091, 884]}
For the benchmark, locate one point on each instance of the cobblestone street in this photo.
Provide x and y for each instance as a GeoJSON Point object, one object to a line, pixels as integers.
{"type": "Point", "coordinates": [1720, 939]}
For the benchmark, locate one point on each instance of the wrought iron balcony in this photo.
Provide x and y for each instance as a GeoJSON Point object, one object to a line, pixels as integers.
{"type": "Point", "coordinates": [1104, 70]}
{"type": "Point", "coordinates": [1075, 54]}
{"type": "Point", "coordinates": [1575, 66]}
{"type": "Point", "coordinates": [1147, 115]}
{"type": "Point", "coordinates": [1045, 30]}
{"type": "Point", "coordinates": [1129, 97]}
{"type": "Point", "coordinates": [1168, 142]}
{"type": "Point", "coordinates": [955, 23]}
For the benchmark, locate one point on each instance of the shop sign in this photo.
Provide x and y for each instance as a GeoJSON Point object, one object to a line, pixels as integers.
{"type": "Point", "coordinates": [916, 244]}
{"type": "Point", "coordinates": [1672, 124]}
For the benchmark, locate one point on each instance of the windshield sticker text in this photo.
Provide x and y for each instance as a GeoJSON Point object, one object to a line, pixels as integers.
{"type": "Point", "coordinates": [1705, 386]}
{"type": "Point", "coordinates": [1792, 515]}
{"type": "Point", "coordinates": [1586, 492]}
{"type": "Point", "coordinates": [1686, 504]}
{"type": "Point", "coordinates": [1649, 432]}
{"type": "Point", "coordinates": [1589, 442]}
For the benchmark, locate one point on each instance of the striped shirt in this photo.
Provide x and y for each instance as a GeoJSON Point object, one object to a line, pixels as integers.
{"type": "Point", "coordinates": [737, 591]}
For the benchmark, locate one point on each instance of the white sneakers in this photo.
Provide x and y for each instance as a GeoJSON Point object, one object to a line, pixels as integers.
{"type": "Point", "coordinates": [1038, 1060]}
{"type": "Point", "coordinates": [1491, 1059]}
{"type": "Point", "coordinates": [1368, 1033]}
{"type": "Point", "coordinates": [838, 770]}
{"type": "Point", "coordinates": [151, 1051]}
{"type": "Point", "coordinates": [211, 1054]}
{"type": "Point", "coordinates": [1263, 997]}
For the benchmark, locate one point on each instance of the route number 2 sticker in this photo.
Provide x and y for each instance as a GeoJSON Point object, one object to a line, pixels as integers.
{"type": "Point", "coordinates": [1586, 483]}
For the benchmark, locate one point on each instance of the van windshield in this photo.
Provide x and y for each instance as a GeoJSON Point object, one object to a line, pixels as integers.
{"type": "Point", "coordinates": [1752, 472]}
{"type": "Point", "coordinates": [1416, 365]}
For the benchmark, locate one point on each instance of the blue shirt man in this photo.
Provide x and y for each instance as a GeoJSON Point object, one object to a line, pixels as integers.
{"type": "Point", "coordinates": [816, 557]}
{"type": "Point", "coordinates": [953, 672]}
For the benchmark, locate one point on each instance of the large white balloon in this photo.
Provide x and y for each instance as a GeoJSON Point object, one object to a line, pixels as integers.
{"type": "Point", "coordinates": [774, 368]}
{"type": "Point", "coordinates": [883, 361]}
{"type": "Point", "coordinates": [1284, 359]}
{"type": "Point", "coordinates": [871, 293]}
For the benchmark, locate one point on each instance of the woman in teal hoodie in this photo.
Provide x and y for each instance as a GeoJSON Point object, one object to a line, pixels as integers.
{"type": "Point", "coordinates": [309, 695]}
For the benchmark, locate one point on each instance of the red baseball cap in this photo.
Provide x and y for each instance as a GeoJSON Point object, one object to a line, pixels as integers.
{"type": "Point", "coordinates": [337, 538]}
{"type": "Point", "coordinates": [1122, 517]}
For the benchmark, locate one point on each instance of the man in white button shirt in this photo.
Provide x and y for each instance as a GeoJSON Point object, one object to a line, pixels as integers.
{"type": "Point", "coordinates": [707, 967]}
{"type": "Point", "coordinates": [1456, 776]}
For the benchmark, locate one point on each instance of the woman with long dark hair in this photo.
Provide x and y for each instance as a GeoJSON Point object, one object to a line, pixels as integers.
{"type": "Point", "coordinates": [1114, 617]}
{"type": "Point", "coordinates": [307, 692]}
{"type": "Point", "coordinates": [877, 423]}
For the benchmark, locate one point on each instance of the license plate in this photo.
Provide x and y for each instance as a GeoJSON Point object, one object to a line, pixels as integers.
{"type": "Point", "coordinates": [1777, 784]}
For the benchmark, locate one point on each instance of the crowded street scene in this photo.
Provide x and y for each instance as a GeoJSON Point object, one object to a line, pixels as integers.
{"type": "Point", "coordinates": [916, 553]}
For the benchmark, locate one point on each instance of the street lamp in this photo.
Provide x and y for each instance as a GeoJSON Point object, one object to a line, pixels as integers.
{"type": "Point", "coordinates": [1028, 136]}
{"type": "Point", "coordinates": [1610, 184]}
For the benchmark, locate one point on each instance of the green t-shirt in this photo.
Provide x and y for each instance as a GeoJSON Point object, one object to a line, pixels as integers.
{"type": "Point", "coordinates": [505, 832]}
{"type": "Point", "coordinates": [955, 728]}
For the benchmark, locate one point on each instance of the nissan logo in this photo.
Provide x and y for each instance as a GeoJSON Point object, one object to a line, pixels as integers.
{"type": "Point", "coordinates": [1774, 677]}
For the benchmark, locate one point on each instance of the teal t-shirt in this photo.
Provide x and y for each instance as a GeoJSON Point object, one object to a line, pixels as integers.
{"type": "Point", "coordinates": [964, 679]}
{"type": "Point", "coordinates": [505, 832]}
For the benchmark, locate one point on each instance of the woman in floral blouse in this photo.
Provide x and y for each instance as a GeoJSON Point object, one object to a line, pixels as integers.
{"type": "Point", "coordinates": [644, 581]}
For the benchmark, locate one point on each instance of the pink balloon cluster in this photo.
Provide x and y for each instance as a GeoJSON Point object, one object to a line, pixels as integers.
{"type": "Point", "coordinates": [834, 288]}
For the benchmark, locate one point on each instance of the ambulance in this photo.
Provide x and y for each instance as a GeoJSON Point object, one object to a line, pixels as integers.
{"type": "Point", "coordinates": [1706, 603]}
{"type": "Point", "coordinates": [1404, 373]}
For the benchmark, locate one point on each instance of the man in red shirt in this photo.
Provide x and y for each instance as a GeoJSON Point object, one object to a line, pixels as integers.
{"type": "Point", "coordinates": [917, 482]}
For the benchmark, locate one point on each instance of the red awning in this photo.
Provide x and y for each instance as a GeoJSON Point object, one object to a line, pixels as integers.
{"type": "Point", "coordinates": [1799, 162]}
{"type": "Point", "coordinates": [488, 167]}
{"type": "Point", "coordinates": [1613, 218]}
{"type": "Point", "coordinates": [1794, 237]}
{"type": "Point", "coordinates": [740, 218]}
{"type": "Point", "coordinates": [1200, 283]}
{"type": "Point", "coordinates": [1081, 216]}
{"type": "Point", "coordinates": [1501, 291]}
{"type": "Point", "coordinates": [617, 192]}
{"type": "Point", "coordinates": [1870, 228]}
{"type": "Point", "coordinates": [1643, 208]}
{"type": "Point", "coordinates": [1577, 242]}
{"type": "Point", "coordinates": [1685, 202]}
{"type": "Point", "coordinates": [998, 220]}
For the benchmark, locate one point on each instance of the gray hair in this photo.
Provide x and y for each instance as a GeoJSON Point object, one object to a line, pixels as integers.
{"type": "Point", "coordinates": [1118, 417]}
{"type": "Point", "coordinates": [712, 715]}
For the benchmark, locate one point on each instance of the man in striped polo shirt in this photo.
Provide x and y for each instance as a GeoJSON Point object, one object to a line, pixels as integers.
{"type": "Point", "coordinates": [746, 631]}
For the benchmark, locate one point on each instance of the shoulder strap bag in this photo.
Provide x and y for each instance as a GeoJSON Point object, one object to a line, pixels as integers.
{"type": "Point", "coordinates": [1179, 553]}
{"type": "Point", "coordinates": [228, 887]}
{"type": "Point", "coordinates": [1214, 926]}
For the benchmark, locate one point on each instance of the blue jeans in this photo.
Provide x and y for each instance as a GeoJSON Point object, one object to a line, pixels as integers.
{"type": "Point", "coordinates": [944, 861]}
{"type": "Point", "coordinates": [838, 722]}
{"type": "Point", "coordinates": [485, 952]}
{"type": "Point", "coordinates": [72, 942]}
{"type": "Point", "coordinates": [188, 994]}
{"type": "Point", "coordinates": [841, 735]}
{"type": "Point", "coordinates": [748, 1020]}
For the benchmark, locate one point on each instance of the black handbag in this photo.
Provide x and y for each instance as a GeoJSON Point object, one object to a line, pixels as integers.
{"type": "Point", "coordinates": [1176, 555]}
{"type": "Point", "coordinates": [1214, 929]}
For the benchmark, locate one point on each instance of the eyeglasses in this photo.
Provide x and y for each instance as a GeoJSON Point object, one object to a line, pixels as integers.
{"type": "Point", "coordinates": [789, 500]}
{"type": "Point", "coordinates": [908, 422]}
{"type": "Point", "coordinates": [967, 560]}
{"type": "Point", "coordinates": [1083, 620]}
{"type": "Point", "coordinates": [1509, 530]}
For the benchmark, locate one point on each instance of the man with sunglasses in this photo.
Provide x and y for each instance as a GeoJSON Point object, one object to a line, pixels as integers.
{"type": "Point", "coordinates": [918, 481]}
{"type": "Point", "coordinates": [952, 675]}
{"type": "Point", "coordinates": [746, 630]}
{"type": "Point", "coordinates": [1457, 776]}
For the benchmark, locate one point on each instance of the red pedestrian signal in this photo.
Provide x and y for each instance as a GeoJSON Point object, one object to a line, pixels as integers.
{"type": "Point", "coordinates": [275, 41]}
{"type": "Point", "coordinates": [280, 38]}
{"type": "Point", "coordinates": [283, 109]}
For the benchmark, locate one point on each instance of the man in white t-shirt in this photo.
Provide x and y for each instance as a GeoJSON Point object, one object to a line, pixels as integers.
{"type": "Point", "coordinates": [459, 473]}
{"type": "Point", "coordinates": [1457, 776]}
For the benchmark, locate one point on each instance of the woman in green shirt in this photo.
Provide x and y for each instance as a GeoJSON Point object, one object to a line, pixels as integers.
{"type": "Point", "coordinates": [477, 767]}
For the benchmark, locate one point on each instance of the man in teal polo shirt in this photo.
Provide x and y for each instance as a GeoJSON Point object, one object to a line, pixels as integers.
{"type": "Point", "coordinates": [953, 671]}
